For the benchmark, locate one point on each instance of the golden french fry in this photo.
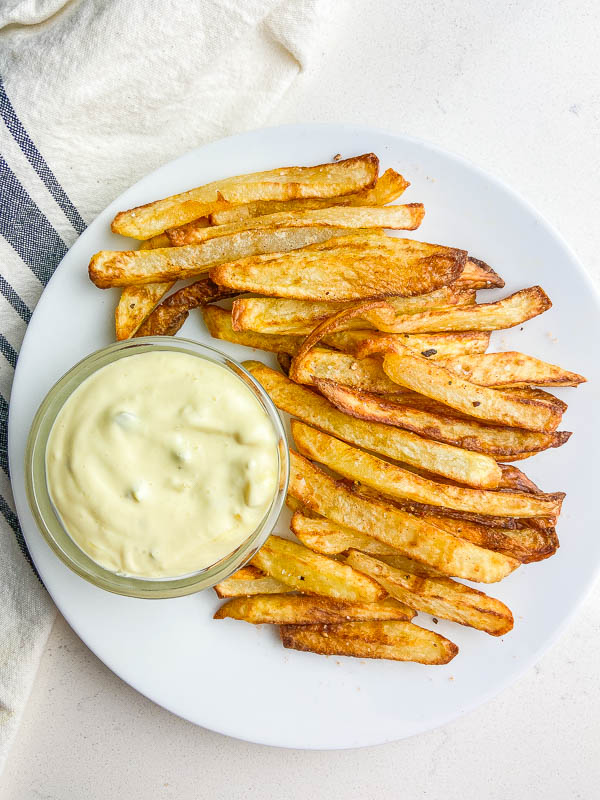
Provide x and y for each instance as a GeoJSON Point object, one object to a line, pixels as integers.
{"type": "Point", "coordinates": [428, 378]}
{"type": "Point", "coordinates": [218, 322]}
{"type": "Point", "coordinates": [525, 544]}
{"type": "Point", "coordinates": [389, 186]}
{"type": "Point", "coordinates": [506, 313]}
{"type": "Point", "coordinates": [510, 369]}
{"type": "Point", "coordinates": [280, 315]}
{"type": "Point", "coordinates": [407, 217]}
{"type": "Point", "coordinates": [248, 581]}
{"type": "Point", "coordinates": [327, 537]}
{"type": "Point", "coordinates": [137, 302]}
{"type": "Point", "coordinates": [359, 373]}
{"type": "Point", "coordinates": [430, 345]}
{"type": "Point", "coordinates": [395, 482]}
{"type": "Point", "coordinates": [135, 305]}
{"type": "Point", "coordinates": [411, 535]}
{"type": "Point", "coordinates": [499, 442]}
{"type": "Point", "coordinates": [346, 268]}
{"type": "Point", "coordinates": [285, 183]}
{"type": "Point", "coordinates": [306, 571]}
{"type": "Point", "coordinates": [397, 641]}
{"type": "Point", "coordinates": [289, 609]}
{"type": "Point", "coordinates": [464, 466]}
{"type": "Point", "coordinates": [441, 597]}
{"type": "Point", "coordinates": [168, 317]}
{"type": "Point", "coordinates": [125, 267]}
{"type": "Point", "coordinates": [479, 275]}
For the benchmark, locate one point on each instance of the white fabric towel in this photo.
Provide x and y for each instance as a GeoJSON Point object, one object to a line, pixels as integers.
{"type": "Point", "coordinates": [93, 95]}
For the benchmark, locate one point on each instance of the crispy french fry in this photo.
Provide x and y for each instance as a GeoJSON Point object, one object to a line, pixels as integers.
{"type": "Point", "coordinates": [289, 609]}
{"type": "Point", "coordinates": [133, 267]}
{"type": "Point", "coordinates": [168, 317]}
{"type": "Point", "coordinates": [525, 544]}
{"type": "Point", "coordinates": [479, 275]}
{"type": "Point", "coordinates": [135, 305]}
{"type": "Point", "coordinates": [397, 641]}
{"type": "Point", "coordinates": [426, 377]}
{"type": "Point", "coordinates": [411, 535]}
{"type": "Point", "coordinates": [430, 345]}
{"type": "Point", "coordinates": [327, 537]}
{"type": "Point", "coordinates": [363, 373]}
{"type": "Point", "coordinates": [279, 315]}
{"type": "Point", "coordinates": [248, 581]}
{"type": "Point", "coordinates": [499, 442]}
{"type": "Point", "coordinates": [306, 571]}
{"type": "Point", "coordinates": [346, 268]}
{"type": "Point", "coordinates": [473, 468]}
{"type": "Point", "coordinates": [506, 313]}
{"type": "Point", "coordinates": [389, 186]}
{"type": "Point", "coordinates": [416, 400]}
{"type": "Point", "coordinates": [441, 597]}
{"type": "Point", "coordinates": [407, 217]}
{"type": "Point", "coordinates": [137, 302]}
{"type": "Point", "coordinates": [510, 369]}
{"type": "Point", "coordinates": [218, 322]}
{"type": "Point", "coordinates": [395, 482]}
{"type": "Point", "coordinates": [285, 183]}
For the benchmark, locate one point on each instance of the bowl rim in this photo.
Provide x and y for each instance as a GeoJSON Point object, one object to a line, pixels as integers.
{"type": "Point", "coordinates": [48, 521]}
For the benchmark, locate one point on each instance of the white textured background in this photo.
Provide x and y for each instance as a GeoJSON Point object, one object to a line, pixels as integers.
{"type": "Point", "coordinates": [514, 86]}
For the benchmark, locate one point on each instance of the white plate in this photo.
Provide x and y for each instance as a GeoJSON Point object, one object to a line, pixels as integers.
{"type": "Point", "coordinates": [236, 678]}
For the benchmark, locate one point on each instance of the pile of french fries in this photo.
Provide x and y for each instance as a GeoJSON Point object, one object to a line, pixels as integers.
{"type": "Point", "coordinates": [384, 370]}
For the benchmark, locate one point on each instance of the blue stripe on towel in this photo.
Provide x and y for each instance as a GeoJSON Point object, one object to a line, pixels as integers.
{"type": "Point", "coordinates": [26, 229]}
{"type": "Point", "coordinates": [14, 299]}
{"type": "Point", "coordinates": [37, 161]}
{"type": "Point", "coordinates": [4, 436]}
{"type": "Point", "coordinates": [10, 516]}
{"type": "Point", "coordinates": [8, 351]}
{"type": "Point", "coordinates": [6, 511]}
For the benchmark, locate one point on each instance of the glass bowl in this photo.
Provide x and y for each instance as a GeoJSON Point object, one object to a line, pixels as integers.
{"type": "Point", "coordinates": [50, 523]}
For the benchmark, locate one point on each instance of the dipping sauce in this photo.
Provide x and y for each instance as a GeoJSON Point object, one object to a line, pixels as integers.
{"type": "Point", "coordinates": [161, 463]}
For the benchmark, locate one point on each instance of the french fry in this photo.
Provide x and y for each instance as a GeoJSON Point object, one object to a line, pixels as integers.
{"type": "Point", "coordinates": [327, 537]}
{"type": "Point", "coordinates": [430, 345]}
{"type": "Point", "coordinates": [395, 482]}
{"type": "Point", "coordinates": [306, 571]}
{"type": "Point", "coordinates": [289, 609]}
{"type": "Point", "coordinates": [364, 373]}
{"type": "Point", "coordinates": [397, 641]}
{"type": "Point", "coordinates": [407, 217]}
{"type": "Point", "coordinates": [525, 544]}
{"type": "Point", "coordinates": [168, 317]}
{"type": "Point", "coordinates": [475, 469]}
{"type": "Point", "coordinates": [426, 377]}
{"type": "Point", "coordinates": [285, 183]}
{"type": "Point", "coordinates": [218, 322]}
{"type": "Point", "coordinates": [279, 315]}
{"type": "Point", "coordinates": [137, 302]}
{"type": "Point", "coordinates": [411, 535]}
{"type": "Point", "coordinates": [499, 442]}
{"type": "Point", "coordinates": [248, 581]}
{"type": "Point", "coordinates": [346, 268]}
{"type": "Point", "coordinates": [389, 187]}
{"type": "Point", "coordinates": [510, 369]}
{"type": "Point", "coordinates": [506, 313]}
{"type": "Point", "coordinates": [133, 267]}
{"type": "Point", "coordinates": [478, 275]}
{"type": "Point", "coordinates": [441, 597]}
{"type": "Point", "coordinates": [416, 400]}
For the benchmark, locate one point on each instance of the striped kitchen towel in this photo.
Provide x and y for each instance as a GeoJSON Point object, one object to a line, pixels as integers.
{"type": "Point", "coordinates": [93, 95]}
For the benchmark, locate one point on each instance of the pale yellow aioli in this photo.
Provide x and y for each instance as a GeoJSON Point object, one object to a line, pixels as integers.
{"type": "Point", "coordinates": [161, 463]}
